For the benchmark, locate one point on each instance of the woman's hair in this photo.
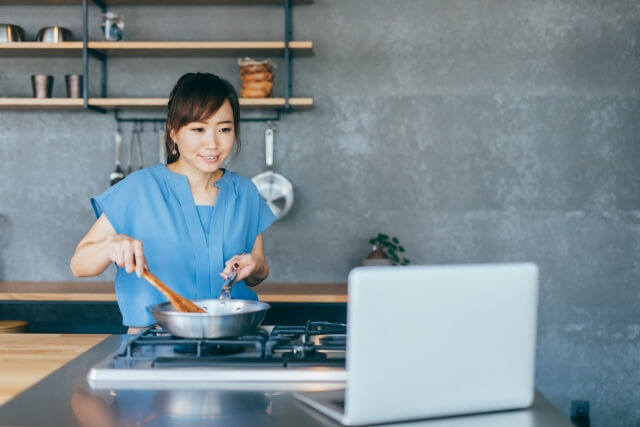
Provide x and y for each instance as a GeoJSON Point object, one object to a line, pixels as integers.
{"type": "Point", "coordinates": [196, 97]}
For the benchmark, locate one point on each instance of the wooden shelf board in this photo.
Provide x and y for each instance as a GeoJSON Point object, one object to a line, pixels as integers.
{"type": "Point", "coordinates": [155, 48]}
{"type": "Point", "coordinates": [41, 49]}
{"type": "Point", "coordinates": [40, 103]}
{"type": "Point", "coordinates": [113, 103]}
{"type": "Point", "coordinates": [276, 102]}
{"type": "Point", "coordinates": [162, 102]}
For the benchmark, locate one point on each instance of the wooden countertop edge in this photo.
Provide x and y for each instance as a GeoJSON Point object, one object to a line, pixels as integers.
{"type": "Point", "coordinates": [103, 292]}
{"type": "Point", "coordinates": [27, 358]}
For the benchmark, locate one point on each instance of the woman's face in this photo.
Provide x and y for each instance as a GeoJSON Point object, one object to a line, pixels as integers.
{"type": "Point", "coordinates": [205, 145]}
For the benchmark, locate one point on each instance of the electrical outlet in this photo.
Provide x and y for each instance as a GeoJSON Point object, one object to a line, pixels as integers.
{"type": "Point", "coordinates": [580, 413]}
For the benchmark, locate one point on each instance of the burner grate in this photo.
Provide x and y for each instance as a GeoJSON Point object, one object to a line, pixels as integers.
{"type": "Point", "coordinates": [192, 347]}
{"type": "Point", "coordinates": [297, 342]}
{"type": "Point", "coordinates": [305, 345]}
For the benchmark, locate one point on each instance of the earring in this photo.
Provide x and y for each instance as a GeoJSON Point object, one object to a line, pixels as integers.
{"type": "Point", "coordinates": [174, 151]}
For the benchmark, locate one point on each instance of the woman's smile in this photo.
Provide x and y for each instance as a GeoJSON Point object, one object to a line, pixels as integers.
{"type": "Point", "coordinates": [209, 158]}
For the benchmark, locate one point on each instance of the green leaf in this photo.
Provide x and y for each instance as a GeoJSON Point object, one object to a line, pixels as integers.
{"type": "Point", "coordinates": [395, 240]}
{"type": "Point", "coordinates": [400, 248]}
{"type": "Point", "coordinates": [372, 241]}
{"type": "Point", "coordinates": [383, 236]}
{"type": "Point", "coordinates": [406, 261]}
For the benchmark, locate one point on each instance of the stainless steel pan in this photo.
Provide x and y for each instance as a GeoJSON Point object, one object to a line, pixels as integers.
{"type": "Point", "coordinates": [224, 317]}
{"type": "Point", "coordinates": [274, 188]}
{"type": "Point", "coordinates": [11, 33]}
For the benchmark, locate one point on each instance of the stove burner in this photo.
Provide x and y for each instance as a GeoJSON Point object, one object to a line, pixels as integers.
{"type": "Point", "coordinates": [314, 343]}
{"type": "Point", "coordinates": [209, 349]}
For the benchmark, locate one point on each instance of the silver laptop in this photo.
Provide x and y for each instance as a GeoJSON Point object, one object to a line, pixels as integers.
{"type": "Point", "coordinates": [433, 341]}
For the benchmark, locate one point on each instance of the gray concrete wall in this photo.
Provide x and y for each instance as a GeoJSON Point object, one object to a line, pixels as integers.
{"type": "Point", "coordinates": [475, 131]}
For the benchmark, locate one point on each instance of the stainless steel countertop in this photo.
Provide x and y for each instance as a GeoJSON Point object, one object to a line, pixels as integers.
{"type": "Point", "coordinates": [65, 399]}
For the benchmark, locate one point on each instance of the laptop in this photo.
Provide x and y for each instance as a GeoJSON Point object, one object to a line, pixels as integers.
{"type": "Point", "coordinates": [435, 341]}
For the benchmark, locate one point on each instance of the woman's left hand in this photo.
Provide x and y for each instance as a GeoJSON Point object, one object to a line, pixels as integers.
{"type": "Point", "coordinates": [245, 265]}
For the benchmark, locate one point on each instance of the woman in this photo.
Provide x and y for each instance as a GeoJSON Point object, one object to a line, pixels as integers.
{"type": "Point", "coordinates": [190, 222]}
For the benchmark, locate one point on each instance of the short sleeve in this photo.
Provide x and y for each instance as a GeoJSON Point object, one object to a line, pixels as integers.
{"type": "Point", "coordinates": [116, 202]}
{"type": "Point", "coordinates": [265, 216]}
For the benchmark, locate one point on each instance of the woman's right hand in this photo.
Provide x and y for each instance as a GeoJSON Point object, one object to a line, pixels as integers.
{"type": "Point", "coordinates": [127, 253]}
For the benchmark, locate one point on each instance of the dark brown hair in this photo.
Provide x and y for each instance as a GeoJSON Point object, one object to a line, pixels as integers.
{"type": "Point", "coordinates": [195, 97]}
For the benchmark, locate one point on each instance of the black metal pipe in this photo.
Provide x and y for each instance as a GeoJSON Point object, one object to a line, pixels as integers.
{"type": "Point", "coordinates": [85, 54]}
{"type": "Point", "coordinates": [288, 35]}
{"type": "Point", "coordinates": [85, 57]}
{"type": "Point", "coordinates": [103, 85]}
{"type": "Point", "coordinates": [162, 120]}
{"type": "Point", "coordinates": [138, 119]}
{"type": "Point", "coordinates": [261, 119]}
{"type": "Point", "coordinates": [94, 108]}
{"type": "Point", "coordinates": [101, 5]}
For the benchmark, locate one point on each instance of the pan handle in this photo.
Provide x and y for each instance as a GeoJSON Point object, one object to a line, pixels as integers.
{"type": "Point", "coordinates": [118, 145]}
{"type": "Point", "coordinates": [139, 145]}
{"type": "Point", "coordinates": [225, 292]}
{"type": "Point", "coordinates": [268, 145]}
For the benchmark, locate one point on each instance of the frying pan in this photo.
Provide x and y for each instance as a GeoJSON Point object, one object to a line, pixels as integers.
{"type": "Point", "coordinates": [274, 188]}
{"type": "Point", "coordinates": [224, 317]}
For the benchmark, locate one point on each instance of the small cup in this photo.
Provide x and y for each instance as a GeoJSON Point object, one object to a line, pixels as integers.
{"type": "Point", "coordinates": [42, 85]}
{"type": "Point", "coordinates": [74, 85]}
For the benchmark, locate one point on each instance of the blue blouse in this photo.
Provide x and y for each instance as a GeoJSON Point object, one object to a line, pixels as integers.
{"type": "Point", "coordinates": [155, 206]}
{"type": "Point", "coordinates": [204, 213]}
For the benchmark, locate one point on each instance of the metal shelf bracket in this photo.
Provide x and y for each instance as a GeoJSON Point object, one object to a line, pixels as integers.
{"type": "Point", "coordinates": [85, 57]}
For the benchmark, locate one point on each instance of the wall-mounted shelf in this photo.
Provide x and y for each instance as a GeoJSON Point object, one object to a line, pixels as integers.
{"type": "Point", "coordinates": [156, 48]}
{"type": "Point", "coordinates": [154, 103]}
{"type": "Point", "coordinates": [102, 50]}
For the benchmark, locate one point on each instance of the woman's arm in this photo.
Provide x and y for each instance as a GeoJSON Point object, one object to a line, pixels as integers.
{"type": "Point", "coordinates": [101, 246]}
{"type": "Point", "coordinates": [261, 271]}
{"type": "Point", "coordinates": [251, 267]}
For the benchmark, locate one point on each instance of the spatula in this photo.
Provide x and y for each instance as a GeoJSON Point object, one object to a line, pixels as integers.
{"type": "Point", "coordinates": [178, 301]}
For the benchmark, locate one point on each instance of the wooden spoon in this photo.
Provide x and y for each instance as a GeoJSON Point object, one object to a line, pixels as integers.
{"type": "Point", "coordinates": [178, 301]}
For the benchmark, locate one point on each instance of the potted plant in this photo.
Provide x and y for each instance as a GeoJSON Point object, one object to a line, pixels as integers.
{"type": "Point", "coordinates": [385, 250]}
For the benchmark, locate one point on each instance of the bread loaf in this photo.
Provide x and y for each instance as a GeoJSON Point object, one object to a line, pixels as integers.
{"type": "Point", "coordinates": [256, 78]}
{"type": "Point", "coordinates": [263, 76]}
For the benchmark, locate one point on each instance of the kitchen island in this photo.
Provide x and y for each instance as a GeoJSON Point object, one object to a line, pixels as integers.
{"type": "Point", "coordinates": [65, 398]}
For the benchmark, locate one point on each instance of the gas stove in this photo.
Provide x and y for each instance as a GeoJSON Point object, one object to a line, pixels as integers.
{"type": "Point", "coordinates": [309, 357]}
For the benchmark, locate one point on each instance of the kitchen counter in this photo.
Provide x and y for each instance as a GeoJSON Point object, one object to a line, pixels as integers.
{"type": "Point", "coordinates": [79, 291]}
{"type": "Point", "coordinates": [27, 358]}
{"type": "Point", "coordinates": [64, 397]}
